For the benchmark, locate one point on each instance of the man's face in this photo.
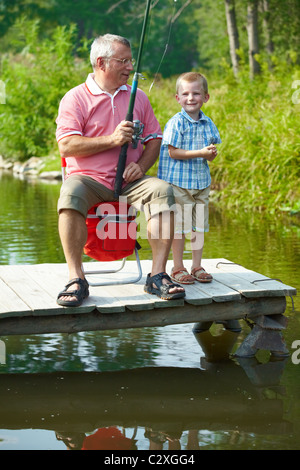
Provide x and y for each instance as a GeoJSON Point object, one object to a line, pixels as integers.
{"type": "Point", "coordinates": [117, 71]}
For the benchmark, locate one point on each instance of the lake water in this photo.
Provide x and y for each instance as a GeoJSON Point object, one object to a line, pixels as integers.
{"type": "Point", "coordinates": [152, 388]}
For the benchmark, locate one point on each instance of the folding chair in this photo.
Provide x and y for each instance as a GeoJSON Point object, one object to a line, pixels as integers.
{"type": "Point", "coordinates": [112, 230]}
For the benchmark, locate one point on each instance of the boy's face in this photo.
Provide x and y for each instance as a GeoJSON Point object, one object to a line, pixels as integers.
{"type": "Point", "coordinates": [191, 97]}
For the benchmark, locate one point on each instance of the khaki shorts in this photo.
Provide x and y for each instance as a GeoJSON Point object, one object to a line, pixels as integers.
{"type": "Point", "coordinates": [150, 195]}
{"type": "Point", "coordinates": [192, 209]}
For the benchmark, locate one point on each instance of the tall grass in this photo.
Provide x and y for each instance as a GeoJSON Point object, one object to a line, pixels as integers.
{"type": "Point", "coordinates": [258, 162]}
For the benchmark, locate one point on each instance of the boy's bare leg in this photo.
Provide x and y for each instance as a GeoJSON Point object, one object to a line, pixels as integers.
{"type": "Point", "coordinates": [197, 243]}
{"type": "Point", "coordinates": [177, 251]}
{"type": "Point", "coordinates": [179, 272]}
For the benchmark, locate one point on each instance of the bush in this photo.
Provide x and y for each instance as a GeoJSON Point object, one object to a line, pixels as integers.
{"type": "Point", "coordinates": [36, 78]}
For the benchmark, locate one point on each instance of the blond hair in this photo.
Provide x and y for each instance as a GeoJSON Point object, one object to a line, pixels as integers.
{"type": "Point", "coordinates": [192, 77]}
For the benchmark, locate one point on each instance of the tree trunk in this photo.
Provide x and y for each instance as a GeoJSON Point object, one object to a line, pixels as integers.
{"type": "Point", "coordinates": [267, 29]}
{"type": "Point", "coordinates": [252, 29]}
{"type": "Point", "coordinates": [232, 34]}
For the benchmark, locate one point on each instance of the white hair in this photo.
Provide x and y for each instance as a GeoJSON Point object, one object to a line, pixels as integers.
{"type": "Point", "coordinates": [103, 47]}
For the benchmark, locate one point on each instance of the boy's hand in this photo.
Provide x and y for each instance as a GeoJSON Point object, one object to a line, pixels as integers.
{"type": "Point", "coordinates": [209, 153]}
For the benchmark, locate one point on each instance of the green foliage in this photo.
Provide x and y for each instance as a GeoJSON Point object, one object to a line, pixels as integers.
{"type": "Point", "coordinates": [259, 158]}
{"type": "Point", "coordinates": [35, 80]}
{"type": "Point", "coordinates": [124, 17]}
{"type": "Point", "coordinates": [259, 162]}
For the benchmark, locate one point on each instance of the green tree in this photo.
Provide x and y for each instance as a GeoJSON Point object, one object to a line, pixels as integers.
{"type": "Point", "coordinates": [12, 10]}
{"type": "Point", "coordinates": [233, 34]}
{"type": "Point", "coordinates": [36, 79]}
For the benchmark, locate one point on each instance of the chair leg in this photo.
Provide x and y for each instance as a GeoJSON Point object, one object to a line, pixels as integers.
{"type": "Point", "coordinates": [112, 282]}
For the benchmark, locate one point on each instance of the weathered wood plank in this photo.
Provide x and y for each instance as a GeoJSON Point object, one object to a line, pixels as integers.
{"type": "Point", "coordinates": [133, 295]}
{"type": "Point", "coordinates": [196, 296]}
{"type": "Point", "coordinates": [29, 292]}
{"type": "Point", "coordinates": [55, 276]}
{"type": "Point", "coordinates": [258, 282]}
{"type": "Point", "coordinates": [93, 321]}
{"type": "Point", "coordinates": [199, 293]}
{"type": "Point", "coordinates": [11, 304]}
{"type": "Point", "coordinates": [241, 285]}
{"type": "Point", "coordinates": [202, 294]}
{"type": "Point", "coordinates": [130, 295]}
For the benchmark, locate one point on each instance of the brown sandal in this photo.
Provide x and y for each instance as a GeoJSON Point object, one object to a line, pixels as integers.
{"type": "Point", "coordinates": [182, 276]}
{"type": "Point", "coordinates": [201, 275]}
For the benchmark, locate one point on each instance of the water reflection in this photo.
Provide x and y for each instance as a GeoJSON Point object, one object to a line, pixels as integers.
{"type": "Point", "coordinates": [171, 406]}
{"type": "Point", "coordinates": [29, 231]}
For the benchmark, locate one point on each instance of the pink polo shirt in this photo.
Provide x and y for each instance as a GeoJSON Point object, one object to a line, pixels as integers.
{"type": "Point", "coordinates": [89, 111]}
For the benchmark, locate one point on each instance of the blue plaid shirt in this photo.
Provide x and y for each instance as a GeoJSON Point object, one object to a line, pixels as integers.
{"type": "Point", "coordinates": [183, 132]}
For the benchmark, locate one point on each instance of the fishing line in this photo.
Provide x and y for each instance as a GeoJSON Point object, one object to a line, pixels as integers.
{"type": "Point", "coordinates": [166, 46]}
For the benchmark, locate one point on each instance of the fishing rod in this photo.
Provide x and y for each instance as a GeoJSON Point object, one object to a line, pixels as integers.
{"type": "Point", "coordinates": [129, 116]}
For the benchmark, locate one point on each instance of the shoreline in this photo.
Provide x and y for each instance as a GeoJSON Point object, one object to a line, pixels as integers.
{"type": "Point", "coordinates": [33, 167]}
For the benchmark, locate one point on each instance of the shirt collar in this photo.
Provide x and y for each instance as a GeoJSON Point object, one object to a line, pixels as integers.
{"type": "Point", "coordinates": [94, 88]}
{"type": "Point", "coordinates": [187, 116]}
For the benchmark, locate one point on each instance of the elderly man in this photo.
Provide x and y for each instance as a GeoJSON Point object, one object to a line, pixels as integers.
{"type": "Point", "coordinates": [90, 132]}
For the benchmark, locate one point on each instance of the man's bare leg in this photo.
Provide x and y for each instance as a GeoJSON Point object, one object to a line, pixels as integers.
{"type": "Point", "coordinates": [73, 235]}
{"type": "Point", "coordinates": [160, 236]}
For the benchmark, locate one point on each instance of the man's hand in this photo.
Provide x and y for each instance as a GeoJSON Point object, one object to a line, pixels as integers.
{"type": "Point", "coordinates": [123, 133]}
{"type": "Point", "coordinates": [86, 146]}
{"type": "Point", "coordinates": [132, 172]}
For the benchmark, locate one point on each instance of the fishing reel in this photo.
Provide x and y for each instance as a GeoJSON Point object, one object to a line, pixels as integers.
{"type": "Point", "coordinates": [138, 128]}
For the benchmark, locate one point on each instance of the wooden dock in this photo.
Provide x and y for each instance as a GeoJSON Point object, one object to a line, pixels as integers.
{"type": "Point", "coordinates": [28, 300]}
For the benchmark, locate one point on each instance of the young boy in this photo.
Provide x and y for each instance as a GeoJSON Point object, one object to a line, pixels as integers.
{"type": "Point", "coordinates": [187, 146]}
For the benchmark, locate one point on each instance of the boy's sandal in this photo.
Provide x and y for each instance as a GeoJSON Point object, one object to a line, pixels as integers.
{"type": "Point", "coordinates": [154, 285]}
{"type": "Point", "coordinates": [201, 275]}
{"type": "Point", "coordinates": [80, 294]}
{"type": "Point", "coordinates": [182, 276]}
